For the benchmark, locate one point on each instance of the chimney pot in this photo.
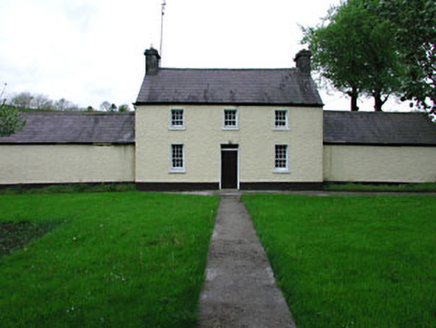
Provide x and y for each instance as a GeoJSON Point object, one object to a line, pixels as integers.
{"type": "Point", "coordinates": [302, 60]}
{"type": "Point", "coordinates": [152, 61]}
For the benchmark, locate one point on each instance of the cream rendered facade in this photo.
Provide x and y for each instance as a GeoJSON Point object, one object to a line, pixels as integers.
{"type": "Point", "coordinates": [203, 135]}
{"type": "Point", "coordinates": [147, 160]}
{"type": "Point", "coordinates": [393, 164]}
{"type": "Point", "coordinates": [66, 163]}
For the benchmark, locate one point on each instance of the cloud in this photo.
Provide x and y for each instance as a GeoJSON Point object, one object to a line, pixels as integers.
{"type": "Point", "coordinates": [80, 15]}
{"type": "Point", "coordinates": [89, 51]}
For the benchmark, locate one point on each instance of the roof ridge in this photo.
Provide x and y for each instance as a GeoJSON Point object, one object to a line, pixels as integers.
{"type": "Point", "coordinates": [227, 69]}
{"type": "Point", "coordinates": [370, 112]}
{"type": "Point", "coordinates": [74, 113]}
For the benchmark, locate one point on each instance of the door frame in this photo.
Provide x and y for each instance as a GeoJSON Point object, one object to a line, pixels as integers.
{"type": "Point", "coordinates": [234, 148]}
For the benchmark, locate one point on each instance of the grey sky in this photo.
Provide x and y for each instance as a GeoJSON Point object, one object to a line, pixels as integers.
{"type": "Point", "coordinates": [89, 51]}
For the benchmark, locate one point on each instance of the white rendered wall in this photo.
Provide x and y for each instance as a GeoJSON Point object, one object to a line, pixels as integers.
{"type": "Point", "coordinates": [204, 134]}
{"type": "Point", "coordinates": [27, 164]}
{"type": "Point", "coordinates": [379, 164]}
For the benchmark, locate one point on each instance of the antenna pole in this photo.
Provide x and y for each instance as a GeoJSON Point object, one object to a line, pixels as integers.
{"type": "Point", "coordinates": [161, 26]}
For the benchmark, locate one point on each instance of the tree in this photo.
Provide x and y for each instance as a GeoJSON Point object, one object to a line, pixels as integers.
{"type": "Point", "coordinates": [112, 108]}
{"type": "Point", "coordinates": [22, 100]}
{"type": "Point", "coordinates": [10, 118]}
{"type": "Point", "coordinates": [41, 102]}
{"type": "Point", "coordinates": [414, 23]}
{"type": "Point", "coordinates": [385, 73]}
{"type": "Point", "coordinates": [104, 106]}
{"type": "Point", "coordinates": [353, 49]}
{"type": "Point", "coordinates": [65, 105]}
{"type": "Point", "coordinates": [27, 100]}
{"type": "Point", "coordinates": [327, 44]}
{"type": "Point", "coordinates": [124, 108]}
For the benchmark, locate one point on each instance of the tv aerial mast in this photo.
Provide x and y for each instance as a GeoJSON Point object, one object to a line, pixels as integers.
{"type": "Point", "coordinates": [164, 3]}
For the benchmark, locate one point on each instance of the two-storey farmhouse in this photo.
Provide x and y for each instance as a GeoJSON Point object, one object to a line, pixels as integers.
{"type": "Point", "coordinates": [228, 128]}
{"type": "Point", "coordinates": [199, 129]}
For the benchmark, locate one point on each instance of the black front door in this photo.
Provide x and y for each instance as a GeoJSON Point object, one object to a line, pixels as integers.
{"type": "Point", "coordinates": [229, 168]}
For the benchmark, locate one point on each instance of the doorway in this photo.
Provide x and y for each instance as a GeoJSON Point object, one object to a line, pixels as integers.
{"type": "Point", "coordinates": [229, 166]}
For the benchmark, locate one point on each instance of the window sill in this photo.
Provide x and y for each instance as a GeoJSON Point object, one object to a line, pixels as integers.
{"type": "Point", "coordinates": [281, 171]}
{"type": "Point", "coordinates": [180, 171]}
{"type": "Point", "coordinates": [285, 128]}
{"type": "Point", "coordinates": [230, 128]}
{"type": "Point", "coordinates": [176, 128]}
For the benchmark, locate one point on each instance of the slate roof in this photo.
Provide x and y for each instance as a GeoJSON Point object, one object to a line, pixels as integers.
{"type": "Point", "coordinates": [229, 86]}
{"type": "Point", "coordinates": [74, 127]}
{"type": "Point", "coordinates": [340, 128]}
{"type": "Point", "coordinates": [378, 128]}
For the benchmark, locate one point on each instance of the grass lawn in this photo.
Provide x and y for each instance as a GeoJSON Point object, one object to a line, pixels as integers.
{"type": "Point", "coordinates": [106, 259]}
{"type": "Point", "coordinates": [351, 261]}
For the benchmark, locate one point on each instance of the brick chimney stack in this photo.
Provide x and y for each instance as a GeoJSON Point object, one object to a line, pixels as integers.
{"type": "Point", "coordinates": [152, 61]}
{"type": "Point", "coordinates": [302, 60]}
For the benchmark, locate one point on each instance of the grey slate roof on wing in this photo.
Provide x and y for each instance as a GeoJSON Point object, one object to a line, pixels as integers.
{"type": "Point", "coordinates": [74, 127]}
{"type": "Point", "coordinates": [229, 86]}
{"type": "Point", "coordinates": [378, 128]}
{"type": "Point", "coordinates": [342, 128]}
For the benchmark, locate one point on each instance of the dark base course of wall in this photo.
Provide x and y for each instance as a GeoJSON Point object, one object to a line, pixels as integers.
{"type": "Point", "coordinates": [382, 186]}
{"type": "Point", "coordinates": [181, 186]}
{"type": "Point", "coordinates": [186, 186]}
{"type": "Point", "coordinates": [281, 186]}
{"type": "Point", "coordinates": [67, 184]}
{"type": "Point", "coordinates": [370, 183]}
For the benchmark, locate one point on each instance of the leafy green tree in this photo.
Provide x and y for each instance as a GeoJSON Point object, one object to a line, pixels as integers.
{"type": "Point", "coordinates": [10, 118]}
{"type": "Point", "coordinates": [353, 49]}
{"type": "Point", "coordinates": [327, 43]}
{"type": "Point", "coordinates": [112, 108]}
{"type": "Point", "coordinates": [124, 108]}
{"type": "Point", "coordinates": [414, 30]}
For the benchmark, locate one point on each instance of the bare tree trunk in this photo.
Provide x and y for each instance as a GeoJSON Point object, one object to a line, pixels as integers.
{"type": "Point", "coordinates": [378, 102]}
{"type": "Point", "coordinates": [354, 107]}
{"type": "Point", "coordinates": [354, 94]}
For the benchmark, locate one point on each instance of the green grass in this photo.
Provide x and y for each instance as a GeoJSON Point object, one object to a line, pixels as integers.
{"type": "Point", "coordinates": [14, 235]}
{"type": "Point", "coordinates": [419, 187]}
{"type": "Point", "coordinates": [114, 260]}
{"type": "Point", "coordinates": [352, 261]}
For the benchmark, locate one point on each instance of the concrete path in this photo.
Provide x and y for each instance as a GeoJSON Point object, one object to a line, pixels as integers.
{"type": "Point", "coordinates": [239, 289]}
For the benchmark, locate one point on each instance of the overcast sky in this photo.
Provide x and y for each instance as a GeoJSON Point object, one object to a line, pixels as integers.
{"type": "Point", "coordinates": [89, 51]}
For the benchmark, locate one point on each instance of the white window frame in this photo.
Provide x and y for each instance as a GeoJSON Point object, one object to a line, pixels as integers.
{"type": "Point", "coordinates": [281, 169]}
{"type": "Point", "coordinates": [177, 127]}
{"type": "Point", "coordinates": [231, 127]}
{"type": "Point", "coordinates": [177, 169]}
{"type": "Point", "coordinates": [281, 127]}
